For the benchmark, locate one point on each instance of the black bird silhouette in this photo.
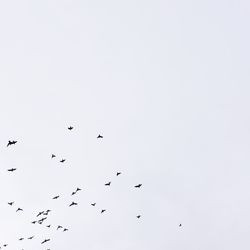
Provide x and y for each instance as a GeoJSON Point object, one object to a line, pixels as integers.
{"type": "Point", "coordinates": [99, 136]}
{"type": "Point", "coordinates": [46, 240]}
{"type": "Point", "coordinates": [138, 216]}
{"type": "Point", "coordinates": [30, 238]}
{"type": "Point", "coordinates": [12, 169]}
{"type": "Point", "coordinates": [48, 210]}
{"type": "Point", "coordinates": [19, 209]}
{"type": "Point", "coordinates": [40, 213]}
{"type": "Point", "coordinates": [34, 222]}
{"type": "Point", "coordinates": [65, 229]}
{"type": "Point", "coordinates": [180, 225]}
{"type": "Point", "coordinates": [21, 239]}
{"type": "Point", "coordinates": [5, 245]}
{"type": "Point", "coordinates": [73, 193]}
{"type": "Point", "coordinates": [93, 204]}
{"type": "Point", "coordinates": [70, 128]}
{"type": "Point", "coordinates": [103, 210]}
{"type": "Point", "coordinates": [56, 197]}
{"type": "Point", "coordinates": [48, 226]}
{"type": "Point", "coordinates": [118, 173]}
{"type": "Point", "coordinates": [11, 203]}
{"type": "Point", "coordinates": [78, 189]}
{"type": "Point", "coordinates": [41, 220]}
{"type": "Point", "coordinates": [11, 143]}
{"type": "Point", "coordinates": [73, 204]}
{"type": "Point", "coordinates": [59, 227]}
{"type": "Point", "coordinates": [108, 184]}
{"type": "Point", "coordinates": [138, 186]}
{"type": "Point", "coordinates": [53, 156]}
{"type": "Point", "coordinates": [63, 160]}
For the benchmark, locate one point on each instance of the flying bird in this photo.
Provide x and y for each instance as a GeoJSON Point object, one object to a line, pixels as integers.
{"type": "Point", "coordinates": [73, 193]}
{"type": "Point", "coordinates": [138, 216]}
{"type": "Point", "coordinates": [30, 238]}
{"type": "Point", "coordinates": [70, 128]}
{"type": "Point", "coordinates": [108, 184]}
{"type": "Point", "coordinates": [99, 136]}
{"type": "Point", "coordinates": [40, 213]}
{"type": "Point", "coordinates": [34, 222]}
{"type": "Point", "coordinates": [103, 210]}
{"type": "Point", "coordinates": [73, 204]}
{"type": "Point", "coordinates": [180, 225]}
{"type": "Point", "coordinates": [19, 209]}
{"type": "Point", "coordinates": [93, 204]}
{"type": "Point", "coordinates": [78, 189]}
{"type": "Point", "coordinates": [118, 173]}
{"type": "Point", "coordinates": [48, 226]}
{"type": "Point", "coordinates": [138, 186]}
{"type": "Point", "coordinates": [21, 239]}
{"type": "Point", "coordinates": [53, 156]}
{"type": "Point", "coordinates": [12, 169]}
{"type": "Point", "coordinates": [65, 229]}
{"type": "Point", "coordinates": [11, 203]}
{"type": "Point", "coordinates": [11, 143]}
{"type": "Point", "coordinates": [63, 160]}
{"type": "Point", "coordinates": [56, 197]}
{"type": "Point", "coordinates": [46, 240]}
{"type": "Point", "coordinates": [59, 227]}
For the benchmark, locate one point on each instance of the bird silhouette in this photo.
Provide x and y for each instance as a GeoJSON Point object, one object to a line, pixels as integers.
{"type": "Point", "coordinates": [12, 169]}
{"type": "Point", "coordinates": [73, 193]}
{"type": "Point", "coordinates": [30, 238]}
{"type": "Point", "coordinates": [56, 197]}
{"type": "Point", "coordinates": [108, 184]}
{"type": "Point", "coordinates": [34, 222]}
{"type": "Point", "coordinates": [40, 213]}
{"type": "Point", "coordinates": [65, 229]}
{"type": "Point", "coordinates": [11, 203]}
{"type": "Point", "coordinates": [21, 239]}
{"type": "Point", "coordinates": [70, 128]}
{"type": "Point", "coordinates": [19, 209]}
{"type": "Point", "coordinates": [11, 143]}
{"type": "Point", "coordinates": [48, 226]}
{"type": "Point", "coordinates": [138, 216]}
{"type": "Point", "coordinates": [138, 186]}
{"type": "Point", "coordinates": [118, 173]}
{"type": "Point", "coordinates": [78, 189]}
{"type": "Point", "coordinates": [63, 160]}
{"type": "Point", "coordinates": [46, 240]}
{"type": "Point", "coordinates": [99, 136]}
{"type": "Point", "coordinates": [180, 225]}
{"type": "Point", "coordinates": [53, 156]}
{"type": "Point", "coordinates": [58, 227]}
{"type": "Point", "coordinates": [5, 245]}
{"type": "Point", "coordinates": [93, 204]}
{"type": "Point", "coordinates": [103, 210]}
{"type": "Point", "coordinates": [73, 204]}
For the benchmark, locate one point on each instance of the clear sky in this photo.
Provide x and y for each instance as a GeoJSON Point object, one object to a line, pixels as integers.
{"type": "Point", "coordinates": [167, 85]}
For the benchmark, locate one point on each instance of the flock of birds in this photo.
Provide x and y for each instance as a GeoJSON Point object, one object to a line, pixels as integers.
{"type": "Point", "coordinates": [42, 216]}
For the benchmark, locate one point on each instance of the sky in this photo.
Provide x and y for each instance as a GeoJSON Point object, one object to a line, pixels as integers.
{"type": "Point", "coordinates": [167, 85]}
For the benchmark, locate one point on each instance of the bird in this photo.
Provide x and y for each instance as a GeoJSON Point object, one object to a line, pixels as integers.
{"type": "Point", "coordinates": [180, 225]}
{"type": "Point", "coordinates": [30, 238]}
{"type": "Point", "coordinates": [34, 222]}
{"type": "Point", "coordinates": [11, 143]}
{"type": "Point", "coordinates": [46, 240]}
{"type": "Point", "coordinates": [70, 128]}
{"type": "Point", "coordinates": [12, 169]}
{"type": "Point", "coordinates": [48, 226]}
{"type": "Point", "coordinates": [73, 204]}
{"type": "Point", "coordinates": [58, 227]}
{"type": "Point", "coordinates": [65, 229]}
{"type": "Point", "coordinates": [56, 197]}
{"type": "Point", "coordinates": [118, 173]}
{"type": "Point", "coordinates": [138, 186]}
{"type": "Point", "coordinates": [11, 203]}
{"type": "Point", "coordinates": [5, 245]}
{"type": "Point", "coordinates": [93, 204]}
{"type": "Point", "coordinates": [53, 156]}
{"type": "Point", "coordinates": [73, 193]}
{"type": "Point", "coordinates": [78, 189]}
{"type": "Point", "coordinates": [21, 239]}
{"type": "Point", "coordinates": [103, 210]}
{"type": "Point", "coordinates": [48, 210]}
{"type": "Point", "coordinates": [99, 136]}
{"type": "Point", "coordinates": [40, 213]}
{"type": "Point", "coordinates": [108, 184]}
{"type": "Point", "coordinates": [138, 216]}
{"type": "Point", "coordinates": [63, 160]}
{"type": "Point", "coordinates": [19, 209]}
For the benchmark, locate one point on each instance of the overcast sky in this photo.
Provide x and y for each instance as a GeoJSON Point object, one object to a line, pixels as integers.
{"type": "Point", "coordinates": [167, 85]}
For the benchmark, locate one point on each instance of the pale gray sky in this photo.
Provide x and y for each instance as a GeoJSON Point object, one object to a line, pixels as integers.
{"type": "Point", "coordinates": [166, 83]}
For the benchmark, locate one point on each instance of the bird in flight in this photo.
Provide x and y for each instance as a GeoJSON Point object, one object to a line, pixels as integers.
{"type": "Point", "coordinates": [21, 239]}
{"type": "Point", "coordinates": [138, 216]}
{"type": "Point", "coordinates": [73, 193]}
{"type": "Point", "coordinates": [138, 186]}
{"type": "Point", "coordinates": [63, 160]}
{"type": "Point", "coordinates": [11, 203]}
{"type": "Point", "coordinates": [12, 169]}
{"type": "Point", "coordinates": [180, 225]}
{"type": "Point", "coordinates": [70, 128]}
{"type": "Point", "coordinates": [99, 136]}
{"type": "Point", "coordinates": [103, 210]}
{"type": "Point", "coordinates": [78, 189]}
{"type": "Point", "coordinates": [73, 204]}
{"type": "Point", "coordinates": [93, 204]}
{"type": "Point", "coordinates": [118, 173]}
{"type": "Point", "coordinates": [11, 143]}
{"type": "Point", "coordinates": [56, 197]}
{"type": "Point", "coordinates": [40, 213]}
{"type": "Point", "coordinates": [108, 184]}
{"type": "Point", "coordinates": [19, 209]}
{"type": "Point", "coordinates": [30, 238]}
{"type": "Point", "coordinates": [65, 229]}
{"type": "Point", "coordinates": [48, 226]}
{"type": "Point", "coordinates": [59, 227]}
{"type": "Point", "coordinates": [53, 156]}
{"type": "Point", "coordinates": [46, 240]}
